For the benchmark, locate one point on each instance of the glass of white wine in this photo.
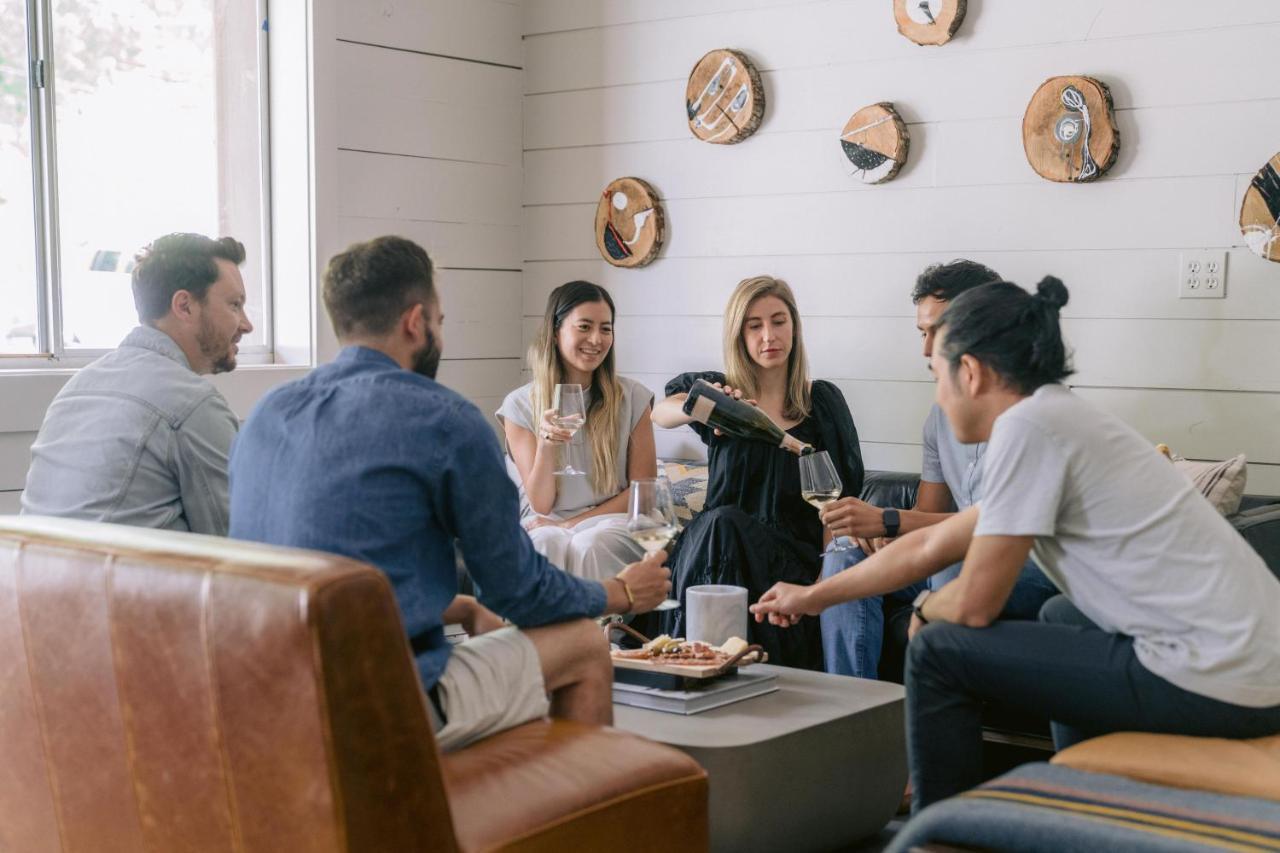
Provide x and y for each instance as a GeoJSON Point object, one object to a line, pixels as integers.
{"type": "Point", "coordinates": [651, 520]}
{"type": "Point", "coordinates": [820, 485]}
{"type": "Point", "coordinates": [571, 414]}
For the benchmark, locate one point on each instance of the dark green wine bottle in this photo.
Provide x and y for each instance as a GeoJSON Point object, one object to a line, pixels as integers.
{"type": "Point", "coordinates": [709, 405]}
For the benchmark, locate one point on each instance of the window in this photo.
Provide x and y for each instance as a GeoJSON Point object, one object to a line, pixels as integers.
{"type": "Point", "coordinates": [120, 121]}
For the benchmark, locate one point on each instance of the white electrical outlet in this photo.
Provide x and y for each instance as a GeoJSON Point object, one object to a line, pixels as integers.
{"type": "Point", "coordinates": [1202, 274]}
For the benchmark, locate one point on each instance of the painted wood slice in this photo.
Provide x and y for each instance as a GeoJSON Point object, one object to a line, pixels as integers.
{"type": "Point", "coordinates": [629, 223]}
{"type": "Point", "coordinates": [876, 142]}
{"type": "Point", "coordinates": [930, 22]}
{"type": "Point", "coordinates": [1069, 131]}
{"type": "Point", "coordinates": [725, 99]}
{"type": "Point", "coordinates": [1260, 213]}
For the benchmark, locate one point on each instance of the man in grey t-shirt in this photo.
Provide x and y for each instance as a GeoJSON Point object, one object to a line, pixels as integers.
{"type": "Point", "coordinates": [1167, 621]}
{"type": "Point", "coordinates": [140, 436]}
{"type": "Point", "coordinates": [950, 481]}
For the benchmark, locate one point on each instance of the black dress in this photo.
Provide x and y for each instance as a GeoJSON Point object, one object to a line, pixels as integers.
{"type": "Point", "coordinates": [755, 529]}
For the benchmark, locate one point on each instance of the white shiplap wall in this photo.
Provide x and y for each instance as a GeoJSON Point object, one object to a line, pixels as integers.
{"type": "Point", "coordinates": [428, 103]}
{"type": "Point", "coordinates": [1197, 107]}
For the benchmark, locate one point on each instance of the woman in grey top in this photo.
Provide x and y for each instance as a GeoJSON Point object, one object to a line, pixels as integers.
{"type": "Point", "coordinates": [579, 522]}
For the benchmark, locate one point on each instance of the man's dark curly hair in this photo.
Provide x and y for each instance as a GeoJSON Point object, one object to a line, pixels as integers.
{"type": "Point", "coordinates": [367, 287]}
{"type": "Point", "coordinates": [178, 262]}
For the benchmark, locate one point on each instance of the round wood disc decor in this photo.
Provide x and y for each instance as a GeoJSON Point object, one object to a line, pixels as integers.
{"type": "Point", "coordinates": [876, 142]}
{"type": "Point", "coordinates": [724, 100]}
{"type": "Point", "coordinates": [1069, 131]}
{"type": "Point", "coordinates": [930, 22]}
{"type": "Point", "coordinates": [629, 223]}
{"type": "Point", "coordinates": [1260, 213]}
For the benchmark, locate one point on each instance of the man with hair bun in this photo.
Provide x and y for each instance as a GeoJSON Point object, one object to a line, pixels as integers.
{"type": "Point", "coordinates": [1167, 619]}
{"type": "Point", "coordinates": [141, 436]}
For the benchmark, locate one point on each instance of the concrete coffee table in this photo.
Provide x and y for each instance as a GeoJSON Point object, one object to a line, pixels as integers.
{"type": "Point", "coordinates": [817, 764]}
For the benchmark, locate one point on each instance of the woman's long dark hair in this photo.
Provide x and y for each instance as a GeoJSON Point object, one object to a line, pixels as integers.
{"type": "Point", "coordinates": [1015, 333]}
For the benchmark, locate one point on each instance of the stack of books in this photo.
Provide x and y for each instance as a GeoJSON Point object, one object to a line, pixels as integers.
{"type": "Point", "coordinates": [714, 694]}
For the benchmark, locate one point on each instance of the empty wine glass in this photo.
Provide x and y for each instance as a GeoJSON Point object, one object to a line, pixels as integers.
{"type": "Point", "coordinates": [820, 485]}
{"type": "Point", "coordinates": [571, 414]}
{"type": "Point", "coordinates": [651, 520]}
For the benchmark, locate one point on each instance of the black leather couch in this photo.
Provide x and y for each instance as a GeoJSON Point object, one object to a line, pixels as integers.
{"type": "Point", "coordinates": [1258, 521]}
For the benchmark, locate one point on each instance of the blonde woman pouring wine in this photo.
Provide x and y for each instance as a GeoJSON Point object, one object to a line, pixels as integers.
{"type": "Point", "coordinates": [575, 462]}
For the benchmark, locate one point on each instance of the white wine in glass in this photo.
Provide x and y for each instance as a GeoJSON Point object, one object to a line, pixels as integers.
{"type": "Point", "coordinates": [651, 521]}
{"type": "Point", "coordinates": [571, 414]}
{"type": "Point", "coordinates": [820, 485]}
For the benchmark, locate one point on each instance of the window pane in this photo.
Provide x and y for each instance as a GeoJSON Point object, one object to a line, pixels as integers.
{"type": "Point", "coordinates": [157, 131]}
{"type": "Point", "coordinates": [18, 286]}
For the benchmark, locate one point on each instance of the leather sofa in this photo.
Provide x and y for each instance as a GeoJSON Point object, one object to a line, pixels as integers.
{"type": "Point", "coordinates": [163, 691]}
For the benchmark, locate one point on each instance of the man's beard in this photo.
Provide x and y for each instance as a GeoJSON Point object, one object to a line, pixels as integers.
{"type": "Point", "coordinates": [426, 361]}
{"type": "Point", "coordinates": [221, 354]}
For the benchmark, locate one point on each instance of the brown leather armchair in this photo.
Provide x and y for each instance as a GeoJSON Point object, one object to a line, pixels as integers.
{"type": "Point", "coordinates": [164, 691]}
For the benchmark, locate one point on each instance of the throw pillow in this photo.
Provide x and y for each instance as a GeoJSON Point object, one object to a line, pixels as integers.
{"type": "Point", "coordinates": [688, 488]}
{"type": "Point", "coordinates": [1222, 483]}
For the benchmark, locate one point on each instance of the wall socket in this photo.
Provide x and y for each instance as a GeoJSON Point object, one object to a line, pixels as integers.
{"type": "Point", "coordinates": [1202, 274]}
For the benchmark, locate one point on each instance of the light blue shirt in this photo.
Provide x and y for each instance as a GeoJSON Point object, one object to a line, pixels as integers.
{"type": "Point", "coordinates": [135, 438]}
{"type": "Point", "coordinates": [948, 461]}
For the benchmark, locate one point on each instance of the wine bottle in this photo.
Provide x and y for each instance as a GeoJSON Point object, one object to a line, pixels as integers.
{"type": "Point", "coordinates": [709, 405]}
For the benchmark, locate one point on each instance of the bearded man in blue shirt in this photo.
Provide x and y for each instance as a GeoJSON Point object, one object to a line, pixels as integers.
{"type": "Point", "coordinates": [369, 457]}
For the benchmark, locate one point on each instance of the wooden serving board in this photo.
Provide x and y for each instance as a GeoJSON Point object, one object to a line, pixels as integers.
{"type": "Point", "coordinates": [688, 671]}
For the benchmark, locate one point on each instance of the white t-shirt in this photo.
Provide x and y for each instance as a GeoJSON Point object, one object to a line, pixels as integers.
{"type": "Point", "coordinates": [1135, 546]}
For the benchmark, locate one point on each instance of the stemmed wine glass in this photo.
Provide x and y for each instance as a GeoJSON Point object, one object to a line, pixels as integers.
{"type": "Point", "coordinates": [651, 521]}
{"type": "Point", "coordinates": [571, 414]}
{"type": "Point", "coordinates": [820, 485]}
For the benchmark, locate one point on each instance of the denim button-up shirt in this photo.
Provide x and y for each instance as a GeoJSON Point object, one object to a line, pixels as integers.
{"type": "Point", "coordinates": [371, 461]}
{"type": "Point", "coordinates": [136, 438]}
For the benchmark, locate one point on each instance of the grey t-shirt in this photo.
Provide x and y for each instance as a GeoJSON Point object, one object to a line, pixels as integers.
{"type": "Point", "coordinates": [1135, 546]}
{"type": "Point", "coordinates": [948, 461]}
{"type": "Point", "coordinates": [575, 495]}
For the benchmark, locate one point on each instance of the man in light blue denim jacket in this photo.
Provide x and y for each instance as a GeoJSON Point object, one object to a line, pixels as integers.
{"type": "Point", "coordinates": [140, 436]}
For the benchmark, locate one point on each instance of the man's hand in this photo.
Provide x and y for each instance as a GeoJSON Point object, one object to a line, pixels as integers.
{"type": "Point", "coordinates": [481, 620]}
{"type": "Point", "coordinates": [783, 605]}
{"type": "Point", "coordinates": [870, 546]}
{"type": "Point", "coordinates": [853, 518]}
{"type": "Point", "coordinates": [914, 628]}
{"type": "Point", "coordinates": [649, 581]}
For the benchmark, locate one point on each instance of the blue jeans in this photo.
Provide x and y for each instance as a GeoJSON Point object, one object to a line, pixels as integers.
{"type": "Point", "coordinates": [853, 632]}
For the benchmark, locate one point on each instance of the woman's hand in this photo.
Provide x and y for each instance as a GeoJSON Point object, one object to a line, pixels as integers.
{"type": "Point", "coordinates": [534, 522]}
{"type": "Point", "coordinates": [736, 394]}
{"type": "Point", "coordinates": [783, 605]}
{"type": "Point", "coordinates": [551, 433]}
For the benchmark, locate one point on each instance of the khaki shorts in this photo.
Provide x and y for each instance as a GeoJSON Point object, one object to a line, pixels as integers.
{"type": "Point", "coordinates": [492, 683]}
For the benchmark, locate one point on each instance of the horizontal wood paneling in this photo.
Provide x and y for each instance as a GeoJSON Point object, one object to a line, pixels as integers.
{"type": "Point", "coordinates": [15, 458]}
{"type": "Point", "coordinates": [1116, 283]}
{"type": "Point", "coordinates": [837, 35]}
{"type": "Point", "coordinates": [479, 379]}
{"type": "Point", "coordinates": [544, 16]}
{"type": "Point", "coordinates": [450, 244]}
{"type": "Point", "coordinates": [382, 186]}
{"type": "Point", "coordinates": [483, 30]}
{"type": "Point", "coordinates": [935, 86]}
{"type": "Point", "coordinates": [10, 503]}
{"type": "Point", "coordinates": [481, 317]}
{"type": "Point", "coordinates": [407, 103]}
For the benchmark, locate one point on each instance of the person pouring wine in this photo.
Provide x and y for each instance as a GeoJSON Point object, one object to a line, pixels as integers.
{"type": "Point", "coordinates": [756, 527]}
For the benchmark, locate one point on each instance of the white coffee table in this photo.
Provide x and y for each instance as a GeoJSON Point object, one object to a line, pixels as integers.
{"type": "Point", "coordinates": [815, 765]}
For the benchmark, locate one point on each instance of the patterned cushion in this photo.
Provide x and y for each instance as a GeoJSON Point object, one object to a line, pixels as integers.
{"type": "Point", "coordinates": [1221, 482]}
{"type": "Point", "coordinates": [688, 488]}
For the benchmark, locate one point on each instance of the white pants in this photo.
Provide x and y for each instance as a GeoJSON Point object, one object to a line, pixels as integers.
{"type": "Point", "coordinates": [596, 549]}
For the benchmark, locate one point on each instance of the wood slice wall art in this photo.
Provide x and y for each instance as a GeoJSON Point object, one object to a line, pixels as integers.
{"type": "Point", "coordinates": [1260, 213]}
{"type": "Point", "coordinates": [929, 22]}
{"type": "Point", "coordinates": [630, 224]}
{"type": "Point", "coordinates": [1069, 131]}
{"type": "Point", "coordinates": [724, 100]}
{"type": "Point", "coordinates": [876, 142]}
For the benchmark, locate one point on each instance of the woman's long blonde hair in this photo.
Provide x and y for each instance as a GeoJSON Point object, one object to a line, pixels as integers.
{"type": "Point", "coordinates": [740, 371]}
{"type": "Point", "coordinates": [604, 415]}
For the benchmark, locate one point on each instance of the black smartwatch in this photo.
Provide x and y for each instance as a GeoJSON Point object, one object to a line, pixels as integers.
{"type": "Point", "coordinates": [917, 606]}
{"type": "Point", "coordinates": [891, 523]}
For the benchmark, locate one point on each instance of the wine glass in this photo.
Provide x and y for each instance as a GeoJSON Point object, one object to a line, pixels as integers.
{"type": "Point", "coordinates": [820, 485]}
{"type": "Point", "coordinates": [651, 521]}
{"type": "Point", "coordinates": [571, 414]}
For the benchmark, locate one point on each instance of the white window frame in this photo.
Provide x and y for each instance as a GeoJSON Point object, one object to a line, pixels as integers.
{"type": "Point", "coordinates": [52, 354]}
